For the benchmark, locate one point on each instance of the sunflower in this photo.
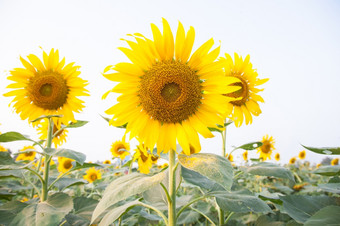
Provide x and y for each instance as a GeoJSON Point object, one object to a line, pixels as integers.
{"type": "Point", "coordinates": [246, 104]}
{"type": "Point", "coordinates": [107, 162]}
{"type": "Point", "coordinates": [230, 157]}
{"type": "Point", "coordinates": [65, 164]}
{"type": "Point", "coordinates": [120, 149]}
{"type": "Point", "coordinates": [335, 162]}
{"type": "Point", "coordinates": [267, 147]}
{"type": "Point", "coordinates": [302, 154]}
{"type": "Point", "coordinates": [245, 156]}
{"type": "Point", "coordinates": [167, 94]}
{"type": "Point", "coordinates": [46, 87]}
{"type": "Point", "coordinates": [92, 174]}
{"type": "Point", "coordinates": [292, 160]}
{"type": "Point", "coordinates": [277, 156]}
{"type": "Point", "coordinates": [143, 158]}
{"type": "Point", "coordinates": [318, 165]}
{"type": "Point", "coordinates": [154, 158]}
{"type": "Point", "coordinates": [59, 135]}
{"type": "Point", "coordinates": [3, 149]}
{"type": "Point", "coordinates": [29, 154]}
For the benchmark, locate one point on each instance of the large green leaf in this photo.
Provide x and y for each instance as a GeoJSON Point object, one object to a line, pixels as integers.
{"type": "Point", "coordinates": [125, 187]}
{"type": "Point", "coordinates": [78, 156]}
{"type": "Point", "coordinates": [330, 187]}
{"type": "Point", "coordinates": [199, 180]}
{"type": "Point", "coordinates": [214, 167]}
{"type": "Point", "coordinates": [300, 208]}
{"type": "Point", "coordinates": [328, 215]}
{"type": "Point", "coordinates": [65, 182]}
{"type": "Point", "coordinates": [328, 170]}
{"type": "Point", "coordinates": [324, 151]}
{"type": "Point", "coordinates": [82, 211]}
{"type": "Point", "coordinates": [13, 136]}
{"type": "Point", "coordinates": [269, 169]}
{"type": "Point", "coordinates": [9, 210]}
{"type": "Point", "coordinates": [48, 213]}
{"type": "Point", "coordinates": [6, 159]}
{"type": "Point", "coordinates": [240, 201]}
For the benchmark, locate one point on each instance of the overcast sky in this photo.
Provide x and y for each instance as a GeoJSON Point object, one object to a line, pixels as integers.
{"type": "Point", "coordinates": [294, 43]}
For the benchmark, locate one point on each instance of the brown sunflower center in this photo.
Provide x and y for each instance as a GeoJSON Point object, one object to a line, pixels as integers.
{"type": "Point", "coordinates": [302, 155]}
{"type": "Point", "coordinates": [242, 93]}
{"type": "Point", "coordinates": [29, 154]}
{"type": "Point", "coordinates": [143, 157]}
{"type": "Point", "coordinates": [93, 177]}
{"type": "Point", "coordinates": [121, 149]}
{"type": "Point", "coordinates": [266, 147]}
{"type": "Point", "coordinates": [55, 130]}
{"type": "Point", "coordinates": [154, 158]}
{"type": "Point", "coordinates": [170, 92]}
{"type": "Point", "coordinates": [67, 164]}
{"type": "Point", "coordinates": [48, 90]}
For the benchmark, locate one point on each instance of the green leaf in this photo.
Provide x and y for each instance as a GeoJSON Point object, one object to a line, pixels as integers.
{"type": "Point", "coordinates": [267, 221]}
{"type": "Point", "coordinates": [50, 212]}
{"type": "Point", "coordinates": [6, 195]}
{"type": "Point", "coordinates": [188, 217]}
{"type": "Point", "coordinates": [300, 208]}
{"type": "Point", "coordinates": [124, 187]}
{"type": "Point", "coordinates": [328, 170]}
{"type": "Point", "coordinates": [199, 180]}
{"type": "Point", "coordinates": [330, 187]}
{"type": "Point", "coordinates": [214, 167]}
{"type": "Point", "coordinates": [270, 170]}
{"type": "Point", "coordinates": [6, 159]}
{"type": "Point", "coordinates": [9, 210]}
{"type": "Point", "coordinates": [240, 201]}
{"type": "Point", "coordinates": [46, 116]}
{"type": "Point", "coordinates": [78, 156]}
{"type": "Point", "coordinates": [83, 208]}
{"type": "Point", "coordinates": [12, 136]}
{"type": "Point", "coordinates": [76, 124]}
{"type": "Point", "coordinates": [11, 173]}
{"type": "Point", "coordinates": [250, 146]}
{"type": "Point", "coordinates": [64, 182]}
{"type": "Point", "coordinates": [324, 151]}
{"type": "Point", "coordinates": [328, 215]}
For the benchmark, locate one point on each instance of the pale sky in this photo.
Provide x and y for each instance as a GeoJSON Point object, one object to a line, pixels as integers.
{"type": "Point", "coordinates": [294, 43]}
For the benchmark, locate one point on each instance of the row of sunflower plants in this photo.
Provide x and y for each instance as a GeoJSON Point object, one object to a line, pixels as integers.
{"type": "Point", "coordinates": [168, 96]}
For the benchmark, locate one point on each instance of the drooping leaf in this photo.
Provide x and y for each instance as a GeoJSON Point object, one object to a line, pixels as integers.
{"type": "Point", "coordinates": [13, 136]}
{"type": "Point", "coordinates": [250, 146]}
{"type": "Point", "coordinates": [324, 151]}
{"type": "Point", "coordinates": [214, 167]}
{"type": "Point", "coordinates": [328, 170]}
{"type": "Point", "coordinates": [328, 215]}
{"type": "Point", "coordinates": [78, 156]}
{"type": "Point", "coordinates": [269, 169]}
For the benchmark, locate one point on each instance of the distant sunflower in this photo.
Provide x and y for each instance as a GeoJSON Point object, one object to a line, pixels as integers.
{"type": "Point", "coordinates": [154, 159]}
{"type": "Point", "coordinates": [245, 156]}
{"type": "Point", "coordinates": [46, 87]}
{"type": "Point", "coordinates": [318, 165]}
{"type": "Point", "coordinates": [92, 174]}
{"type": "Point", "coordinates": [120, 149]}
{"type": "Point", "coordinates": [302, 154]}
{"type": "Point", "coordinates": [292, 160]}
{"type": "Point", "coordinates": [143, 158]}
{"type": "Point", "coordinates": [29, 154]}
{"type": "Point", "coordinates": [246, 104]}
{"type": "Point", "coordinates": [230, 157]}
{"type": "Point", "coordinates": [64, 164]}
{"type": "Point", "coordinates": [335, 162]}
{"type": "Point", "coordinates": [277, 156]}
{"type": "Point", "coordinates": [59, 136]}
{"type": "Point", "coordinates": [107, 162]}
{"type": "Point", "coordinates": [267, 147]}
{"type": "Point", "coordinates": [167, 93]}
{"type": "Point", "coordinates": [3, 149]}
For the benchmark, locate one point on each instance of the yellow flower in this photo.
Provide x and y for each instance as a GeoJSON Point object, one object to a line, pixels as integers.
{"type": "Point", "coordinates": [24, 199]}
{"type": "Point", "coordinates": [298, 187]}
{"type": "Point", "coordinates": [292, 160]}
{"type": "Point", "coordinates": [247, 103]}
{"type": "Point", "coordinates": [335, 162]}
{"type": "Point", "coordinates": [302, 154]}
{"type": "Point", "coordinates": [318, 165]}
{"type": "Point", "coordinates": [143, 158]}
{"type": "Point", "coordinates": [245, 156]}
{"type": "Point", "coordinates": [267, 148]}
{"type": "Point", "coordinates": [2, 148]}
{"type": "Point", "coordinates": [43, 163]}
{"type": "Point", "coordinates": [92, 174]}
{"type": "Point", "coordinates": [46, 87]}
{"type": "Point", "coordinates": [154, 158]}
{"type": "Point", "coordinates": [117, 174]}
{"type": "Point", "coordinates": [230, 157]}
{"type": "Point", "coordinates": [28, 155]}
{"type": "Point", "coordinates": [277, 156]}
{"type": "Point", "coordinates": [165, 165]}
{"type": "Point", "coordinates": [167, 93]}
{"type": "Point", "coordinates": [65, 164]}
{"type": "Point", "coordinates": [120, 149]}
{"type": "Point", "coordinates": [59, 136]}
{"type": "Point", "coordinates": [107, 162]}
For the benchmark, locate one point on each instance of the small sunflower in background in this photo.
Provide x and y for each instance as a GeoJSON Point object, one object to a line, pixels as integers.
{"type": "Point", "coordinates": [92, 174]}
{"type": "Point", "coordinates": [302, 154]}
{"type": "Point", "coordinates": [2, 148]}
{"type": "Point", "coordinates": [143, 159]}
{"type": "Point", "coordinates": [335, 162]}
{"type": "Point", "coordinates": [167, 93]}
{"type": "Point", "coordinates": [46, 87]}
{"type": "Point", "coordinates": [267, 147]}
{"type": "Point", "coordinates": [64, 164]}
{"type": "Point", "coordinates": [245, 156]}
{"type": "Point", "coordinates": [59, 134]}
{"type": "Point", "coordinates": [247, 96]}
{"type": "Point", "coordinates": [277, 156]}
{"type": "Point", "coordinates": [292, 160]}
{"type": "Point", "coordinates": [29, 154]}
{"type": "Point", "coordinates": [107, 162]}
{"type": "Point", "coordinates": [120, 149]}
{"type": "Point", "coordinates": [318, 165]}
{"type": "Point", "coordinates": [230, 157]}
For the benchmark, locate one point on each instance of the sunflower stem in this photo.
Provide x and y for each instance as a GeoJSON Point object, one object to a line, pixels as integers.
{"type": "Point", "coordinates": [47, 160]}
{"type": "Point", "coordinates": [172, 189]}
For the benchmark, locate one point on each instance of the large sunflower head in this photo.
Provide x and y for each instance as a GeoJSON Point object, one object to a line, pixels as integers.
{"type": "Point", "coordinates": [143, 158]}
{"type": "Point", "coordinates": [247, 100]}
{"type": "Point", "coordinates": [59, 134]}
{"type": "Point", "coordinates": [46, 87]}
{"type": "Point", "coordinates": [267, 147]}
{"type": "Point", "coordinates": [28, 153]}
{"type": "Point", "coordinates": [120, 149]}
{"type": "Point", "coordinates": [167, 93]}
{"type": "Point", "coordinates": [92, 174]}
{"type": "Point", "coordinates": [64, 164]}
{"type": "Point", "coordinates": [302, 154]}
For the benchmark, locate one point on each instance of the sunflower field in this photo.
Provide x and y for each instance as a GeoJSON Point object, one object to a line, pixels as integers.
{"type": "Point", "coordinates": [170, 96]}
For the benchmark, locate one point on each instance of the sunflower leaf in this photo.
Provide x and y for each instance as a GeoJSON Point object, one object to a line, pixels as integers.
{"type": "Point", "coordinates": [324, 151]}
{"type": "Point", "coordinates": [13, 136]}
{"type": "Point", "coordinates": [46, 116]}
{"type": "Point", "coordinates": [270, 170]}
{"type": "Point", "coordinates": [78, 156]}
{"type": "Point", "coordinates": [328, 170]}
{"type": "Point", "coordinates": [76, 124]}
{"type": "Point", "coordinates": [250, 146]}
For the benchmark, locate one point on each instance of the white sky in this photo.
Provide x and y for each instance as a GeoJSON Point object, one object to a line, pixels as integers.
{"type": "Point", "coordinates": [294, 43]}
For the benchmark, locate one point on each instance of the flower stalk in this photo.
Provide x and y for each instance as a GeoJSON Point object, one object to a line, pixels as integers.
{"type": "Point", "coordinates": [172, 189]}
{"type": "Point", "coordinates": [47, 160]}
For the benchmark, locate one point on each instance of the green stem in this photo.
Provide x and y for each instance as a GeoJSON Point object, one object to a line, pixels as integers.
{"type": "Point", "coordinates": [220, 216]}
{"type": "Point", "coordinates": [172, 189]}
{"type": "Point", "coordinates": [188, 204]}
{"type": "Point", "coordinates": [157, 211]}
{"type": "Point", "coordinates": [224, 140]}
{"type": "Point", "coordinates": [206, 217]}
{"type": "Point", "coordinates": [47, 160]}
{"type": "Point", "coordinates": [166, 192]}
{"type": "Point", "coordinates": [230, 214]}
